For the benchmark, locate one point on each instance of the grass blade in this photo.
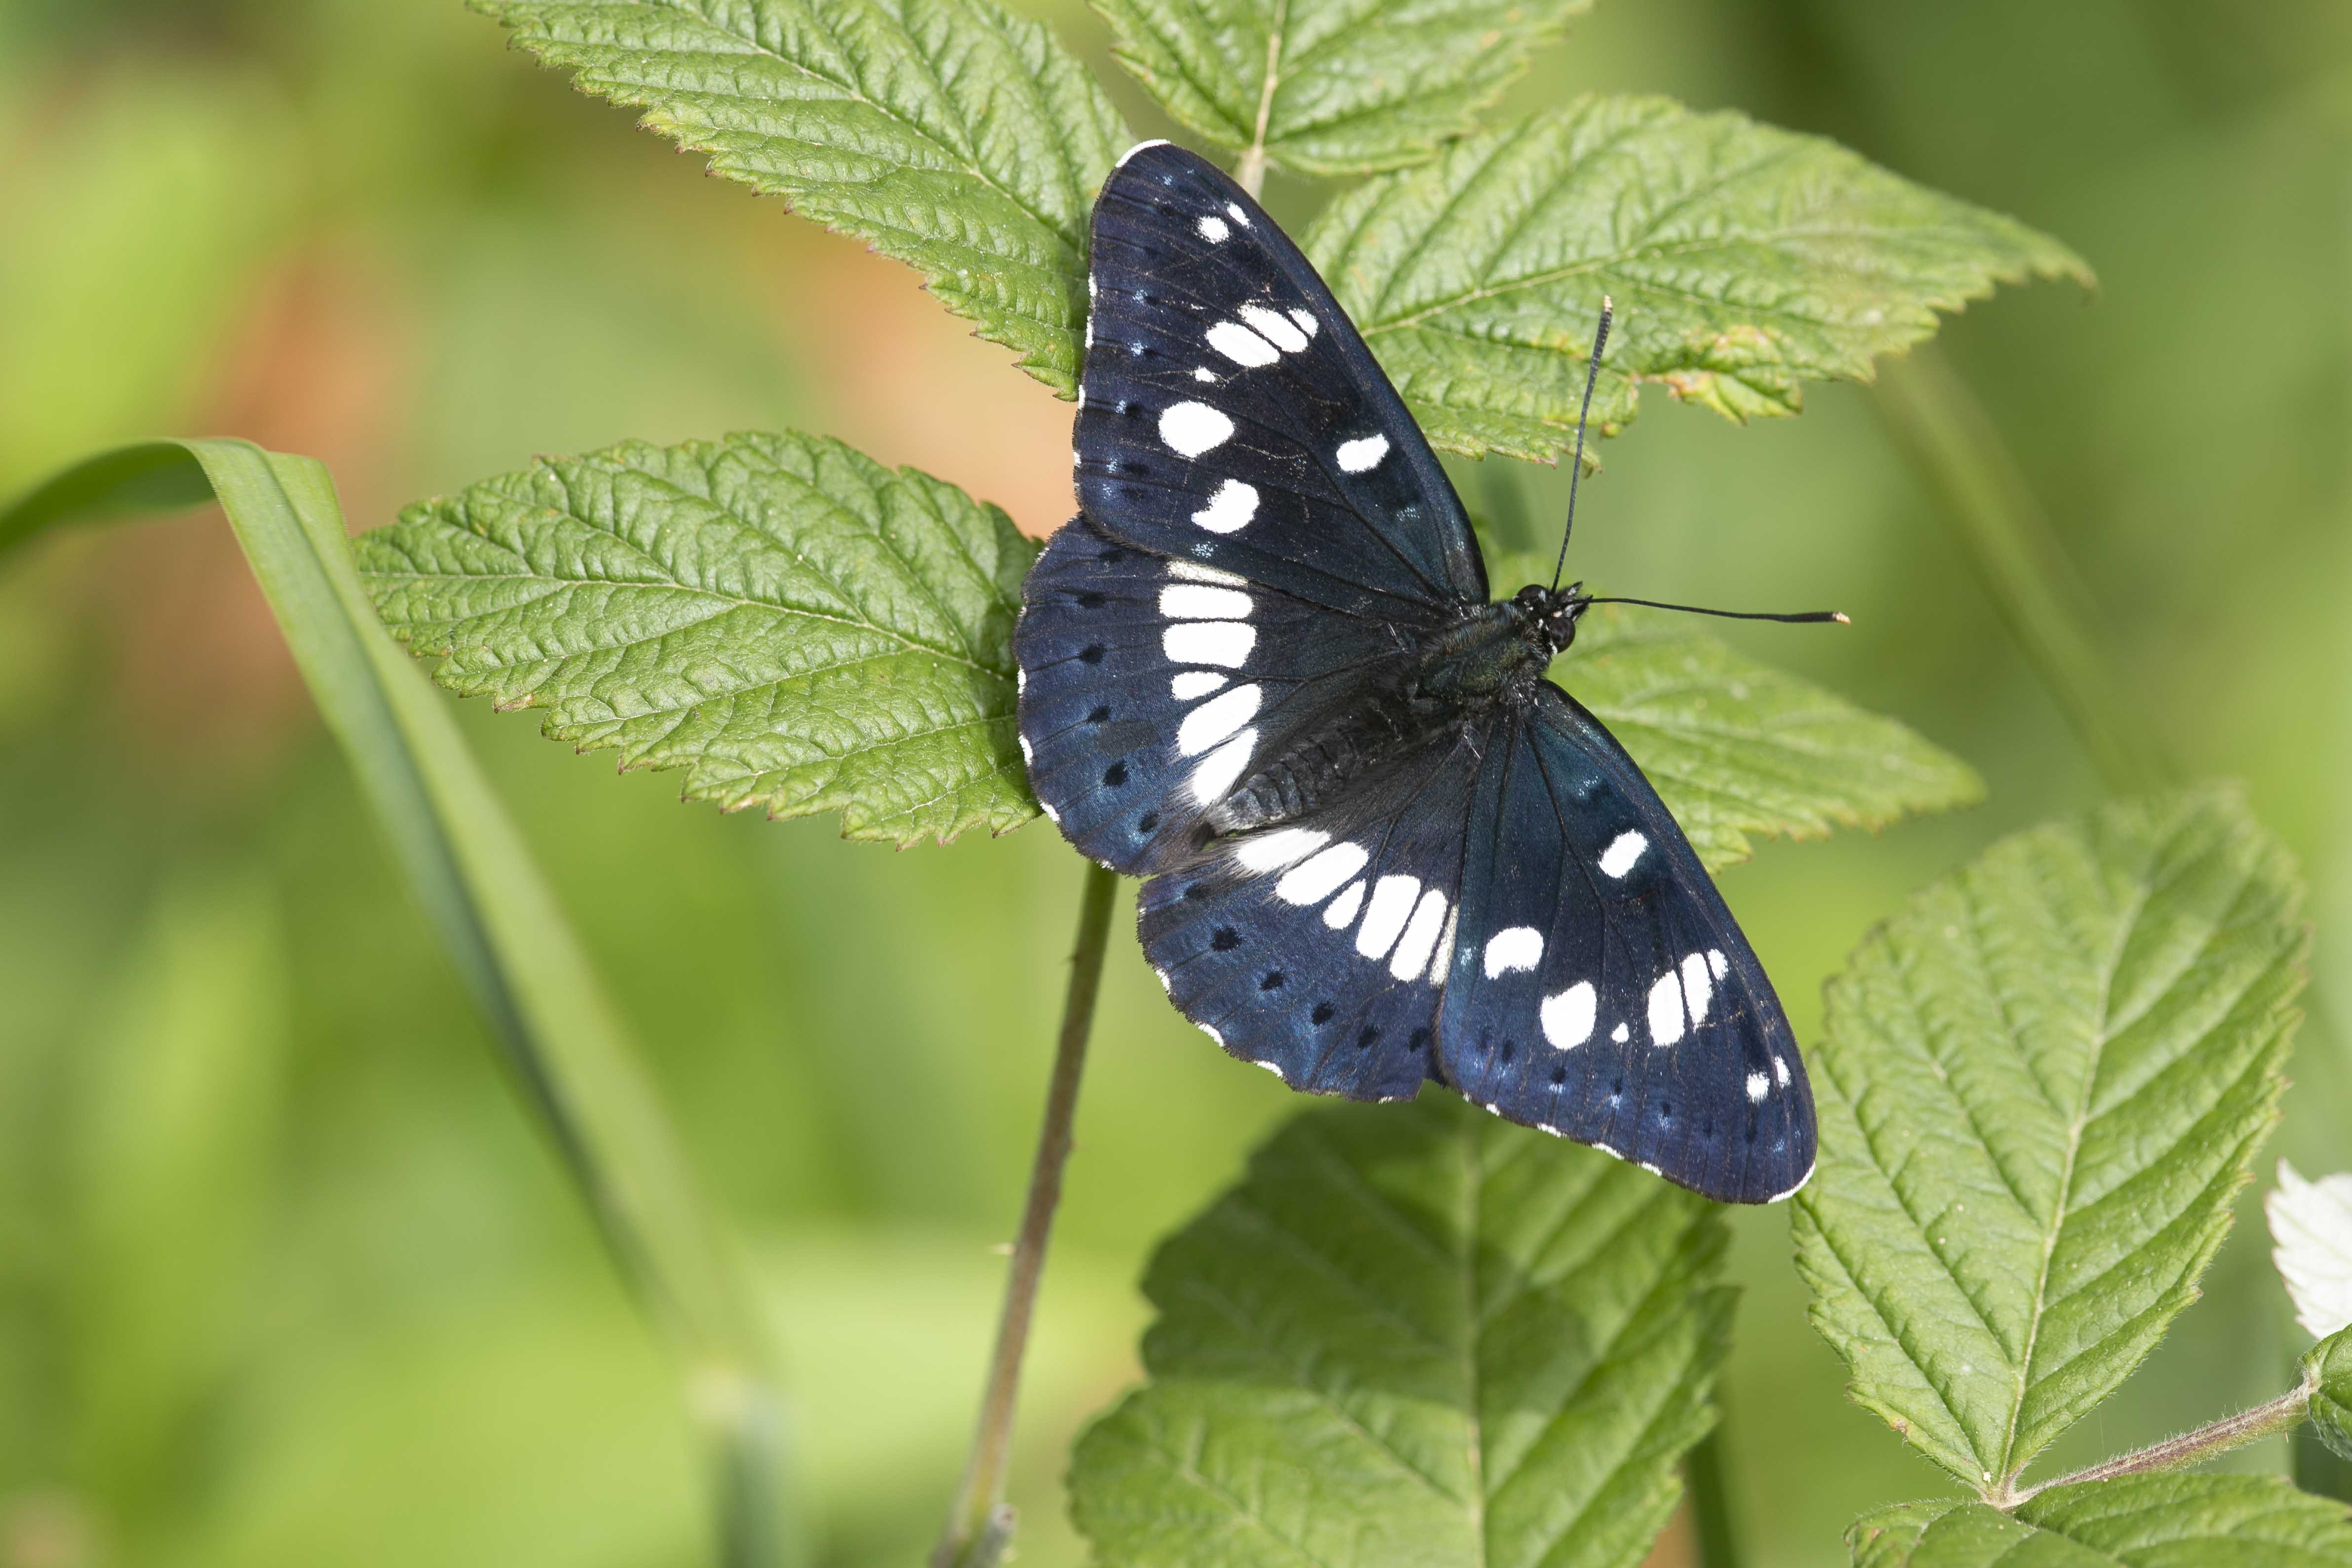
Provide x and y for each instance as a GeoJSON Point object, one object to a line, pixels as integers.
{"type": "Point", "coordinates": [498, 919]}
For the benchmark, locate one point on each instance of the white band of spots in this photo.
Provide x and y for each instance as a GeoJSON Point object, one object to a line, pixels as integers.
{"type": "Point", "coordinates": [1274, 327]}
{"type": "Point", "coordinates": [1317, 879]}
{"type": "Point", "coordinates": [1230, 509]}
{"type": "Point", "coordinates": [1217, 717]}
{"type": "Point", "coordinates": [1384, 917]}
{"type": "Point", "coordinates": [1273, 852]}
{"type": "Point", "coordinates": [1623, 852]}
{"type": "Point", "coordinates": [1513, 949]}
{"type": "Point", "coordinates": [1214, 777]}
{"type": "Point", "coordinates": [1193, 571]}
{"type": "Point", "coordinates": [1188, 684]}
{"type": "Point", "coordinates": [1342, 912]}
{"type": "Point", "coordinates": [1227, 643]}
{"type": "Point", "coordinates": [1241, 346]}
{"type": "Point", "coordinates": [1569, 1018]}
{"type": "Point", "coordinates": [1198, 602]}
{"type": "Point", "coordinates": [1192, 428]}
{"type": "Point", "coordinates": [1420, 938]}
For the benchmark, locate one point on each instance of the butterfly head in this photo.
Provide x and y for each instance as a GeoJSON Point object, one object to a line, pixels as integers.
{"type": "Point", "coordinates": [1548, 616]}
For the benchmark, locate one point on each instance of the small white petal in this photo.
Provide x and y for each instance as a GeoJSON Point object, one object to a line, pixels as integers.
{"type": "Point", "coordinates": [2311, 1224]}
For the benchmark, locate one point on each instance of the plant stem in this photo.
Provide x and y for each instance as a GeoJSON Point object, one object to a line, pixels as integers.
{"type": "Point", "coordinates": [1250, 172]}
{"type": "Point", "coordinates": [2281, 1415]}
{"type": "Point", "coordinates": [1717, 1544]}
{"type": "Point", "coordinates": [980, 1525]}
{"type": "Point", "coordinates": [1955, 448]}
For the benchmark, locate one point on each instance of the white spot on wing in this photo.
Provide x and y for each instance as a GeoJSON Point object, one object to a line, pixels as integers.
{"type": "Point", "coordinates": [1274, 327]}
{"type": "Point", "coordinates": [1193, 601]}
{"type": "Point", "coordinates": [1275, 1069]}
{"type": "Point", "coordinates": [1361, 454]}
{"type": "Point", "coordinates": [1759, 1086]}
{"type": "Point", "coordinates": [1051, 814]}
{"type": "Point", "coordinates": [1273, 852]}
{"type": "Point", "coordinates": [1213, 230]}
{"type": "Point", "coordinates": [1621, 1033]}
{"type": "Point", "coordinates": [1313, 881]}
{"type": "Point", "coordinates": [1192, 428]}
{"type": "Point", "coordinates": [1391, 906]}
{"type": "Point", "coordinates": [1189, 684]}
{"type": "Point", "coordinates": [1623, 852]}
{"type": "Point", "coordinates": [1305, 319]}
{"type": "Point", "coordinates": [1420, 938]}
{"type": "Point", "coordinates": [1202, 373]}
{"type": "Point", "coordinates": [1233, 211]}
{"type": "Point", "coordinates": [1230, 509]}
{"type": "Point", "coordinates": [1216, 775]}
{"type": "Point", "coordinates": [1209, 642]}
{"type": "Point", "coordinates": [1140, 146]}
{"type": "Point", "coordinates": [1780, 1070]}
{"type": "Point", "coordinates": [1241, 346]}
{"type": "Point", "coordinates": [1193, 571]}
{"type": "Point", "coordinates": [1443, 965]}
{"type": "Point", "coordinates": [1026, 755]}
{"type": "Point", "coordinates": [1512, 948]}
{"type": "Point", "coordinates": [1666, 1009]}
{"type": "Point", "coordinates": [1568, 1018]}
{"type": "Point", "coordinates": [1217, 717]}
{"type": "Point", "coordinates": [1716, 964]}
{"type": "Point", "coordinates": [1342, 912]}
{"type": "Point", "coordinates": [1698, 990]}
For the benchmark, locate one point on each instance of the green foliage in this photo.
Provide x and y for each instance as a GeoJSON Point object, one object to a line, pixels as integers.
{"type": "Point", "coordinates": [951, 134]}
{"type": "Point", "coordinates": [2327, 1369]}
{"type": "Point", "coordinates": [2139, 1522]}
{"type": "Point", "coordinates": [795, 626]}
{"type": "Point", "coordinates": [1743, 261]}
{"type": "Point", "coordinates": [1327, 87]}
{"type": "Point", "coordinates": [1737, 748]}
{"type": "Point", "coordinates": [1415, 1334]}
{"type": "Point", "coordinates": [497, 918]}
{"type": "Point", "coordinates": [2040, 1088]}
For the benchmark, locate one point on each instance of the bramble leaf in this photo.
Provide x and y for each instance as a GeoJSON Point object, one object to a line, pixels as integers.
{"type": "Point", "coordinates": [1331, 87]}
{"type": "Point", "coordinates": [1743, 261]}
{"type": "Point", "coordinates": [2311, 1229]}
{"type": "Point", "coordinates": [795, 626]}
{"type": "Point", "coordinates": [2134, 1522]}
{"type": "Point", "coordinates": [1414, 1334]}
{"type": "Point", "coordinates": [1734, 747]}
{"type": "Point", "coordinates": [2039, 1088]}
{"type": "Point", "coordinates": [951, 134]}
{"type": "Point", "coordinates": [2327, 1369]}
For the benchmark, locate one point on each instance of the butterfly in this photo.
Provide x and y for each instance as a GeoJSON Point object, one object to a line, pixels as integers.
{"type": "Point", "coordinates": [1261, 669]}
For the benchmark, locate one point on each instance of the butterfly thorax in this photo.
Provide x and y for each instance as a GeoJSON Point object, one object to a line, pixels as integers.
{"type": "Point", "coordinates": [1448, 682]}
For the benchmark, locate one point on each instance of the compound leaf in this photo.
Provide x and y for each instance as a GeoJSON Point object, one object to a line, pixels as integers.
{"type": "Point", "coordinates": [2134, 1522]}
{"type": "Point", "coordinates": [1743, 261]}
{"type": "Point", "coordinates": [793, 625]}
{"type": "Point", "coordinates": [951, 134]}
{"type": "Point", "coordinates": [2039, 1088]}
{"type": "Point", "coordinates": [1331, 87]}
{"type": "Point", "coordinates": [1414, 1334]}
{"type": "Point", "coordinates": [1737, 748]}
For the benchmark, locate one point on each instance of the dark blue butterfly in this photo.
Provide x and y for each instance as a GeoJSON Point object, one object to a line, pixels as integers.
{"type": "Point", "coordinates": [1261, 669]}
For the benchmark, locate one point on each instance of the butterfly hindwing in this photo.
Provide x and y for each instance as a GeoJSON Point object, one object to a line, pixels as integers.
{"type": "Point", "coordinates": [1599, 987]}
{"type": "Point", "coordinates": [1149, 686]}
{"type": "Point", "coordinates": [1319, 949]}
{"type": "Point", "coordinates": [1231, 414]}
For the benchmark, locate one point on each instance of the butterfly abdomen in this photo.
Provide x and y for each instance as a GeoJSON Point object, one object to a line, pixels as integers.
{"type": "Point", "coordinates": [1310, 770]}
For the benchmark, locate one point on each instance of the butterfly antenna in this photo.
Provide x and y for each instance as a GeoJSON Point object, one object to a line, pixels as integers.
{"type": "Point", "coordinates": [1591, 374]}
{"type": "Point", "coordinates": [1800, 617]}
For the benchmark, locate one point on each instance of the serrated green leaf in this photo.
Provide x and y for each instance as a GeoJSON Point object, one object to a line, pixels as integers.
{"type": "Point", "coordinates": [1736, 747]}
{"type": "Point", "coordinates": [1414, 1334]}
{"type": "Point", "coordinates": [2327, 1367]}
{"type": "Point", "coordinates": [2137, 1522]}
{"type": "Point", "coordinates": [1743, 261]}
{"type": "Point", "coordinates": [951, 134]}
{"type": "Point", "coordinates": [2038, 1088]}
{"type": "Point", "coordinates": [795, 626]}
{"type": "Point", "coordinates": [1331, 87]}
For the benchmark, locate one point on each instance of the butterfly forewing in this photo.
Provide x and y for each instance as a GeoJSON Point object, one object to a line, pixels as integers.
{"type": "Point", "coordinates": [1599, 988]}
{"type": "Point", "coordinates": [1232, 416]}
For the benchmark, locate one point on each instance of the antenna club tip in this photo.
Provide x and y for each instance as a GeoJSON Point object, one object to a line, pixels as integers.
{"type": "Point", "coordinates": [1841, 618]}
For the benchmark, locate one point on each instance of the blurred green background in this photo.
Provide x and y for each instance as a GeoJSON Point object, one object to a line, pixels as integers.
{"type": "Point", "coordinates": [286, 1275]}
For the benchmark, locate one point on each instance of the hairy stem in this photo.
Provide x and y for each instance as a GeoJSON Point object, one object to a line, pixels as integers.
{"type": "Point", "coordinates": [980, 1525]}
{"type": "Point", "coordinates": [2281, 1415]}
{"type": "Point", "coordinates": [1250, 172]}
{"type": "Point", "coordinates": [1954, 446]}
{"type": "Point", "coordinates": [1710, 1496]}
